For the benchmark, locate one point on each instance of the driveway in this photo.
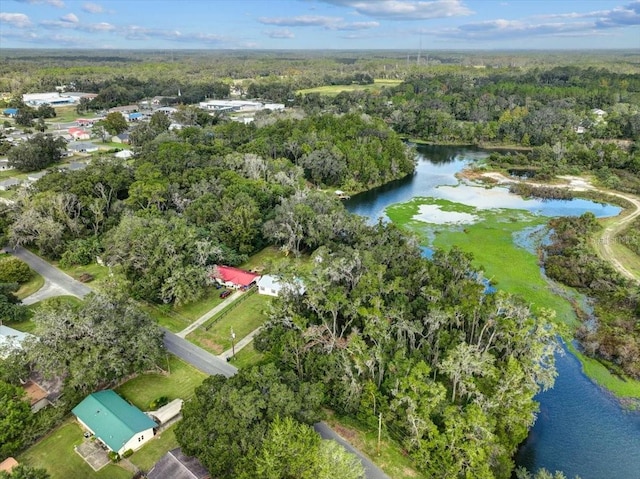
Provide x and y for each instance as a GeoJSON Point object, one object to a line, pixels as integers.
{"type": "Point", "coordinates": [62, 281]}
{"type": "Point", "coordinates": [48, 290]}
{"type": "Point", "coordinates": [371, 471]}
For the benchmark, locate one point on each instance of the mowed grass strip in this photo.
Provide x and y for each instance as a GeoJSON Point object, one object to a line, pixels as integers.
{"type": "Point", "coordinates": [179, 382]}
{"type": "Point", "coordinates": [55, 453]}
{"type": "Point", "coordinates": [247, 357]}
{"type": "Point", "coordinates": [243, 316]}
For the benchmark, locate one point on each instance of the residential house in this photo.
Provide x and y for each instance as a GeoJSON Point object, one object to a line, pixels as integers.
{"type": "Point", "coordinates": [10, 112]}
{"type": "Point", "coordinates": [73, 166]}
{"type": "Point", "coordinates": [234, 277]}
{"type": "Point", "coordinates": [175, 465]}
{"type": "Point", "coordinates": [269, 285]}
{"type": "Point", "coordinates": [114, 422]}
{"type": "Point", "coordinates": [79, 134]}
{"type": "Point", "coordinates": [134, 117]}
{"type": "Point", "coordinates": [124, 109]}
{"type": "Point", "coordinates": [10, 340]}
{"type": "Point", "coordinates": [121, 138]}
{"type": "Point", "coordinates": [83, 147]}
{"type": "Point", "coordinates": [8, 184]}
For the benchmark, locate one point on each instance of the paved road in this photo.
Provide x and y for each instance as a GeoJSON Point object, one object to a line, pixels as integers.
{"type": "Point", "coordinates": [197, 357]}
{"type": "Point", "coordinates": [370, 469]}
{"type": "Point", "coordinates": [53, 275]}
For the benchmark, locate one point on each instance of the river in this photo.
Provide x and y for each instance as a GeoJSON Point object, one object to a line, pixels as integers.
{"type": "Point", "coordinates": [580, 430]}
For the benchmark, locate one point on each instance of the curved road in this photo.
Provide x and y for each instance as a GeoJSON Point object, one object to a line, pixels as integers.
{"type": "Point", "coordinates": [610, 232]}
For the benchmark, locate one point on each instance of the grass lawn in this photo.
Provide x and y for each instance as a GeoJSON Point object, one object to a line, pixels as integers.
{"type": "Point", "coordinates": [247, 357]}
{"type": "Point", "coordinates": [177, 318]}
{"type": "Point", "coordinates": [391, 460]}
{"type": "Point", "coordinates": [244, 315]}
{"type": "Point", "coordinates": [152, 451]}
{"type": "Point", "coordinates": [620, 386]}
{"type": "Point", "coordinates": [490, 240]}
{"type": "Point", "coordinates": [333, 90]}
{"type": "Point", "coordinates": [179, 383]}
{"type": "Point", "coordinates": [55, 453]}
{"type": "Point", "coordinates": [31, 286]}
{"type": "Point", "coordinates": [267, 260]}
{"type": "Point", "coordinates": [98, 272]}
{"type": "Point", "coordinates": [66, 114]}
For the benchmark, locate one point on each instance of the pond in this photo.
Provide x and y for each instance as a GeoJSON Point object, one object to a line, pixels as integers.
{"type": "Point", "coordinates": [581, 429]}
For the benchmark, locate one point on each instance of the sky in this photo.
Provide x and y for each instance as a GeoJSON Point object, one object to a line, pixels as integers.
{"type": "Point", "coordinates": [320, 24]}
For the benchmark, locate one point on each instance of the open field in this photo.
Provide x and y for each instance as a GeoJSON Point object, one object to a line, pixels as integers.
{"type": "Point", "coordinates": [333, 90]}
{"type": "Point", "coordinates": [55, 453]}
{"type": "Point", "coordinates": [180, 382]}
{"type": "Point", "coordinates": [244, 315]}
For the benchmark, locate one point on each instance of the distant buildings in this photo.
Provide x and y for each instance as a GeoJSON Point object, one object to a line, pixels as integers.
{"type": "Point", "coordinates": [238, 105]}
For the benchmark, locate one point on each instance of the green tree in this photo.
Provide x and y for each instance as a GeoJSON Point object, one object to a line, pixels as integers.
{"type": "Point", "coordinates": [234, 415]}
{"type": "Point", "coordinates": [96, 344]}
{"type": "Point", "coordinates": [22, 471]}
{"type": "Point", "coordinates": [292, 450]}
{"type": "Point", "coordinates": [15, 419]}
{"type": "Point", "coordinates": [37, 153]}
{"type": "Point", "coordinates": [115, 123]}
{"type": "Point", "coordinates": [14, 270]}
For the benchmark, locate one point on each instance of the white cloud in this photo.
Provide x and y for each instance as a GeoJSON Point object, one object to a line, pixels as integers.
{"type": "Point", "coordinates": [300, 21]}
{"type": "Point", "coordinates": [18, 20]}
{"type": "Point", "coordinates": [54, 3]}
{"type": "Point", "coordinates": [70, 18]}
{"type": "Point", "coordinates": [353, 26]}
{"type": "Point", "coordinates": [280, 34]}
{"type": "Point", "coordinates": [92, 8]}
{"type": "Point", "coordinates": [406, 9]}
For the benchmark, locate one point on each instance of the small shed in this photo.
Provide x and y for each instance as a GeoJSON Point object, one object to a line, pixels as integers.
{"type": "Point", "coordinates": [121, 138]}
{"type": "Point", "coordinates": [167, 412]}
{"type": "Point", "coordinates": [8, 464]}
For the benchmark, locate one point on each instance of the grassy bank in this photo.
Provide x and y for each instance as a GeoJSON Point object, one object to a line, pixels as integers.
{"type": "Point", "coordinates": [490, 240]}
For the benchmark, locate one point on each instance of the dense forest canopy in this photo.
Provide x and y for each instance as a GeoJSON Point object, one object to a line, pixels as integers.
{"type": "Point", "coordinates": [451, 367]}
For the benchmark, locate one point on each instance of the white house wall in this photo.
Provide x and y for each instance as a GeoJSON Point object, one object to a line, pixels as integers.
{"type": "Point", "coordinates": [137, 441]}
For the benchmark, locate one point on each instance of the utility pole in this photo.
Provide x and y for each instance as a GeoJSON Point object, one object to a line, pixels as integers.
{"type": "Point", "coordinates": [379, 431]}
{"type": "Point", "coordinates": [233, 344]}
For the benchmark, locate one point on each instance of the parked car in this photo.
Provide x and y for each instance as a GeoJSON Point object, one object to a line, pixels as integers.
{"type": "Point", "coordinates": [225, 293]}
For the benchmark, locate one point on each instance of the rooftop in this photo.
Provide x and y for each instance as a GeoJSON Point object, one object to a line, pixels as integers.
{"type": "Point", "coordinates": [111, 418]}
{"type": "Point", "coordinates": [236, 276]}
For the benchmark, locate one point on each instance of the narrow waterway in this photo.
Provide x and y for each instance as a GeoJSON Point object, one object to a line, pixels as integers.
{"type": "Point", "coordinates": [581, 429]}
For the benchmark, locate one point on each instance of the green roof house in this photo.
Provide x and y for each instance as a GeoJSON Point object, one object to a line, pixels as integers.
{"type": "Point", "coordinates": [115, 422]}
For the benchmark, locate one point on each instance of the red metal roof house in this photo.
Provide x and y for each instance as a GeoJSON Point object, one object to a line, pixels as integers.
{"type": "Point", "coordinates": [234, 277]}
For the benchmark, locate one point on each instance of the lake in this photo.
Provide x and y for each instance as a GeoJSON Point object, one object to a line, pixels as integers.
{"type": "Point", "coordinates": [581, 429]}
